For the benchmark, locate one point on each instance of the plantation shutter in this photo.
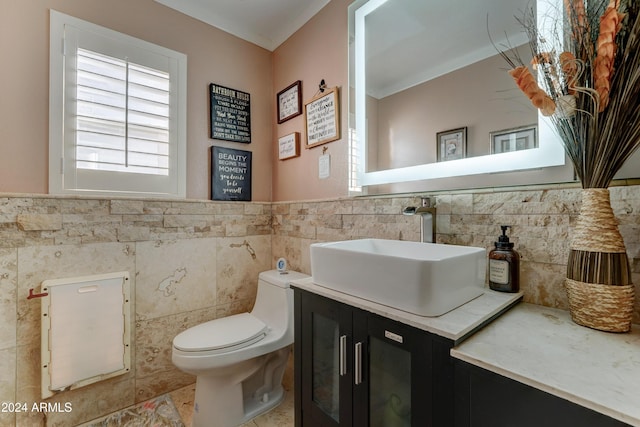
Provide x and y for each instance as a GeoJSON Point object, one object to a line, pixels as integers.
{"type": "Point", "coordinates": [124, 114]}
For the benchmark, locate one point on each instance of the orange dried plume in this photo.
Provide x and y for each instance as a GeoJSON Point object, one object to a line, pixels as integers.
{"type": "Point", "coordinates": [528, 85]}
{"type": "Point", "coordinates": [610, 23]}
{"type": "Point", "coordinates": [570, 69]}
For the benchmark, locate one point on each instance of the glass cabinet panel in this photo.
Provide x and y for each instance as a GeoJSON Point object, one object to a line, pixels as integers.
{"type": "Point", "coordinates": [325, 344]}
{"type": "Point", "coordinates": [389, 385]}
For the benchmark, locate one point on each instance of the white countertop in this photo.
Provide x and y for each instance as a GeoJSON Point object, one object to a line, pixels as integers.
{"type": "Point", "coordinates": [455, 325]}
{"type": "Point", "coordinates": [543, 348]}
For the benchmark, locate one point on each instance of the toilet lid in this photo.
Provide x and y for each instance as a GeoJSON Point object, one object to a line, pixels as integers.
{"type": "Point", "coordinates": [231, 331]}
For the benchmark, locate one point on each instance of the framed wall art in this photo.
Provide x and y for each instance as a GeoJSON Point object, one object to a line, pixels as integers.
{"type": "Point", "coordinates": [230, 174]}
{"type": "Point", "coordinates": [514, 139]}
{"type": "Point", "coordinates": [289, 146]}
{"type": "Point", "coordinates": [230, 114]}
{"type": "Point", "coordinates": [290, 102]}
{"type": "Point", "coordinates": [322, 115]}
{"type": "Point", "coordinates": [452, 144]}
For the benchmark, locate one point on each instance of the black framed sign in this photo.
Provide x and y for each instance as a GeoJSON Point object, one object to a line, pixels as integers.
{"type": "Point", "coordinates": [230, 174]}
{"type": "Point", "coordinates": [230, 114]}
{"type": "Point", "coordinates": [290, 102]}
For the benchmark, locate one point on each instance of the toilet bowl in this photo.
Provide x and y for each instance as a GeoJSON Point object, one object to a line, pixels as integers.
{"type": "Point", "coordinates": [239, 360]}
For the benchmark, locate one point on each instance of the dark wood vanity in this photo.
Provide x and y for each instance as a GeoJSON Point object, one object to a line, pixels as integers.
{"type": "Point", "coordinates": [356, 368]}
{"type": "Point", "coordinates": [360, 364]}
{"type": "Point", "coordinates": [486, 399]}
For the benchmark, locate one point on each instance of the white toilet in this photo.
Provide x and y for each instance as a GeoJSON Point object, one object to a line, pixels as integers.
{"type": "Point", "coordinates": [239, 360]}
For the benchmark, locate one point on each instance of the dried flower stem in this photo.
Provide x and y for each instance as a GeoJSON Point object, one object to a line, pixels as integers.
{"type": "Point", "coordinates": [570, 69]}
{"type": "Point", "coordinates": [606, 51]}
{"type": "Point", "coordinates": [528, 85]}
{"type": "Point", "coordinates": [575, 9]}
{"type": "Point", "coordinates": [579, 24]}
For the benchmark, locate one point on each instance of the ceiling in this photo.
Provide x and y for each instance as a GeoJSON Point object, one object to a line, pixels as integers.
{"type": "Point", "coordinates": [266, 23]}
{"type": "Point", "coordinates": [436, 36]}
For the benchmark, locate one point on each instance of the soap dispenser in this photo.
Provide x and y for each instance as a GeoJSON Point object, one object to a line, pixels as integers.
{"type": "Point", "coordinates": [504, 265]}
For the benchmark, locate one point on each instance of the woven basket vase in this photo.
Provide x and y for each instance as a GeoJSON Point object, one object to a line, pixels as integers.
{"type": "Point", "coordinates": [598, 284]}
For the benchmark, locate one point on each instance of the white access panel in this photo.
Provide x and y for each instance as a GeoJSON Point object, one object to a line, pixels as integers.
{"type": "Point", "coordinates": [86, 330]}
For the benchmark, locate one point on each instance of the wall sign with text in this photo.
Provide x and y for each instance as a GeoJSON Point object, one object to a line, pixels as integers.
{"type": "Point", "coordinates": [289, 102]}
{"type": "Point", "coordinates": [289, 146]}
{"type": "Point", "coordinates": [323, 118]}
{"type": "Point", "coordinates": [230, 114]}
{"type": "Point", "coordinates": [230, 174]}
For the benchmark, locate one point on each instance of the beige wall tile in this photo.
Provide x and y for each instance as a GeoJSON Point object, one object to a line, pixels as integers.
{"type": "Point", "coordinates": [541, 220]}
{"type": "Point", "coordinates": [214, 244]}
{"type": "Point", "coordinates": [175, 276]}
{"type": "Point", "coordinates": [7, 383]}
{"type": "Point", "coordinates": [155, 373]}
{"type": "Point", "coordinates": [8, 292]}
{"type": "Point", "coordinates": [239, 262]}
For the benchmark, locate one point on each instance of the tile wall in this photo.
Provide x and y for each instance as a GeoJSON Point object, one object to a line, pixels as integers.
{"type": "Point", "coordinates": [189, 262]}
{"type": "Point", "coordinates": [192, 261]}
{"type": "Point", "coordinates": [542, 220]}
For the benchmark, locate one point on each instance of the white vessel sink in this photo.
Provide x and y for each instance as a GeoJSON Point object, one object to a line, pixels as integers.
{"type": "Point", "coordinates": [427, 279]}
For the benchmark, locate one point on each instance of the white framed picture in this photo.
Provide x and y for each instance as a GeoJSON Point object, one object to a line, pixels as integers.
{"type": "Point", "coordinates": [514, 139]}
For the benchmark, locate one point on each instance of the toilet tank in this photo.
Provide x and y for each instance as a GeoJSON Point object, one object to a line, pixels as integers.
{"type": "Point", "coordinates": [274, 301]}
{"type": "Point", "coordinates": [274, 277]}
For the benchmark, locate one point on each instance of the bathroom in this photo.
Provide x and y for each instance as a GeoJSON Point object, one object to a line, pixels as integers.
{"type": "Point", "coordinates": [193, 259]}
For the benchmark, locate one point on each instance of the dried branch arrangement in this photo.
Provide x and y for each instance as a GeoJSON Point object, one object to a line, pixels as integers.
{"type": "Point", "coordinates": [590, 88]}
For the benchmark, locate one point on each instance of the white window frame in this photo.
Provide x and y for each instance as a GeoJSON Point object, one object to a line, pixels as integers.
{"type": "Point", "coordinates": [66, 35]}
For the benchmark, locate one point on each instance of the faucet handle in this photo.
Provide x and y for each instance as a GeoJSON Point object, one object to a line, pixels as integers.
{"type": "Point", "coordinates": [425, 202]}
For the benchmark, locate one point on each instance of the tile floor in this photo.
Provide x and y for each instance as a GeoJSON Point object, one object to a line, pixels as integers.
{"type": "Point", "coordinates": [281, 416]}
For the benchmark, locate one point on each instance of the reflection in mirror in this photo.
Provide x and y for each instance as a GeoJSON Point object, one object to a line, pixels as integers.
{"type": "Point", "coordinates": [479, 97]}
{"type": "Point", "coordinates": [419, 69]}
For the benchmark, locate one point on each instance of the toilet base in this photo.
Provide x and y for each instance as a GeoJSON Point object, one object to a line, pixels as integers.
{"type": "Point", "coordinates": [241, 393]}
{"type": "Point", "coordinates": [255, 407]}
{"type": "Point", "coordinates": [225, 411]}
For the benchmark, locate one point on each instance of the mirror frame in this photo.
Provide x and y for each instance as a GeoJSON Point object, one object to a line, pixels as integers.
{"type": "Point", "coordinates": [549, 152]}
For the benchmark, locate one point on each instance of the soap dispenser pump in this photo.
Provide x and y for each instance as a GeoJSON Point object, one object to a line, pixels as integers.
{"type": "Point", "coordinates": [504, 265]}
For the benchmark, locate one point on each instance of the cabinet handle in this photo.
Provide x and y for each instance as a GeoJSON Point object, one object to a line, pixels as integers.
{"type": "Point", "coordinates": [358, 363]}
{"type": "Point", "coordinates": [343, 355]}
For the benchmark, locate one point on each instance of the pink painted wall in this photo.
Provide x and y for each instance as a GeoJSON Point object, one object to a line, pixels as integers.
{"type": "Point", "coordinates": [213, 57]}
{"type": "Point", "coordinates": [319, 50]}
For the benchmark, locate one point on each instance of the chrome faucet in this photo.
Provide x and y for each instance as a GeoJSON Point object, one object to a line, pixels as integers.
{"type": "Point", "coordinates": [428, 219]}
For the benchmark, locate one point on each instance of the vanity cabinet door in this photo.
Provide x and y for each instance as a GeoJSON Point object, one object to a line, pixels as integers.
{"type": "Point", "coordinates": [355, 368]}
{"type": "Point", "coordinates": [323, 359]}
{"type": "Point", "coordinates": [486, 399]}
{"type": "Point", "coordinates": [398, 376]}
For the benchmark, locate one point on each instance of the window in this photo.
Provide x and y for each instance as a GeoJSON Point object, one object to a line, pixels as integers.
{"type": "Point", "coordinates": [117, 113]}
{"type": "Point", "coordinates": [356, 159]}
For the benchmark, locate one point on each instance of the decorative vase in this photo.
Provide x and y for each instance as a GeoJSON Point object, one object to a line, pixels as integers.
{"type": "Point", "coordinates": [598, 284]}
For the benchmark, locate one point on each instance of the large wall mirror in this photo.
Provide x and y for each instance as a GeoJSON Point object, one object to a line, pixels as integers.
{"type": "Point", "coordinates": [431, 101]}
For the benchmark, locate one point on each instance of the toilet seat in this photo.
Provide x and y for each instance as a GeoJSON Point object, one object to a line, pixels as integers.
{"type": "Point", "coordinates": [222, 335]}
